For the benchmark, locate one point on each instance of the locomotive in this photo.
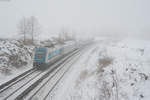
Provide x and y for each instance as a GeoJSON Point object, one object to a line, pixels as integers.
{"type": "Point", "coordinates": [44, 56]}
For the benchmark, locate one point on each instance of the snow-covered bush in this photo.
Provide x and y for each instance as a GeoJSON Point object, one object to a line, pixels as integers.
{"type": "Point", "coordinates": [13, 53]}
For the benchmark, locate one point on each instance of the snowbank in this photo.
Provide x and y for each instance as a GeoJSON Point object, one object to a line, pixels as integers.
{"type": "Point", "coordinates": [14, 58]}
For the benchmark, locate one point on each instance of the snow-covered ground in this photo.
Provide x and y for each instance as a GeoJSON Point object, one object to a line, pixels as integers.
{"type": "Point", "coordinates": [110, 70]}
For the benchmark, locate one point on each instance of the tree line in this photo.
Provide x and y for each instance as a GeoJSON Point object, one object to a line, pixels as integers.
{"type": "Point", "coordinates": [29, 28]}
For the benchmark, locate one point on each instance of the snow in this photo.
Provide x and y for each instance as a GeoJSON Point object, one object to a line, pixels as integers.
{"type": "Point", "coordinates": [15, 58]}
{"type": "Point", "coordinates": [110, 70]}
{"type": "Point", "coordinates": [69, 80]}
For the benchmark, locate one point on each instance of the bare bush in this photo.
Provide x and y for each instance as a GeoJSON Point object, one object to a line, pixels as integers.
{"type": "Point", "coordinates": [115, 85]}
{"type": "Point", "coordinates": [105, 91]}
{"type": "Point", "coordinates": [5, 71]}
{"type": "Point", "coordinates": [16, 61]}
{"type": "Point", "coordinates": [105, 61]}
{"type": "Point", "coordinates": [108, 88]}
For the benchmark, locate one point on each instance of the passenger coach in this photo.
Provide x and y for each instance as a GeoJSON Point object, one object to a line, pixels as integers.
{"type": "Point", "coordinates": [44, 56]}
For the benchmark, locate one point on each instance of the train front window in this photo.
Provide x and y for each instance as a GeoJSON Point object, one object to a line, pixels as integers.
{"type": "Point", "coordinates": [39, 55]}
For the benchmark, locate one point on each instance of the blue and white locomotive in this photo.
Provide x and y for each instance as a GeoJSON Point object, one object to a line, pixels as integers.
{"type": "Point", "coordinates": [44, 56]}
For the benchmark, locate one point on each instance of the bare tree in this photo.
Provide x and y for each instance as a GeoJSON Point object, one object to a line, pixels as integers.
{"type": "Point", "coordinates": [23, 28]}
{"type": "Point", "coordinates": [65, 35]}
{"type": "Point", "coordinates": [29, 27]}
{"type": "Point", "coordinates": [34, 27]}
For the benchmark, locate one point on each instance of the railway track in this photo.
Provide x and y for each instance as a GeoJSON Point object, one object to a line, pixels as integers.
{"type": "Point", "coordinates": [17, 88]}
{"type": "Point", "coordinates": [43, 90]}
{"type": "Point", "coordinates": [16, 79]}
{"type": "Point", "coordinates": [23, 86]}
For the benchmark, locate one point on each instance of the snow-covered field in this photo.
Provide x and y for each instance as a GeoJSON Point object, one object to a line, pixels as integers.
{"type": "Point", "coordinates": [110, 70]}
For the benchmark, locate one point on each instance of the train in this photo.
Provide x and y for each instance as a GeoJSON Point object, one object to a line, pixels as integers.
{"type": "Point", "coordinates": [45, 56]}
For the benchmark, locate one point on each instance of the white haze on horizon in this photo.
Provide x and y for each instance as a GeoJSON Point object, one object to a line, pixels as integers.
{"type": "Point", "coordinates": [81, 17]}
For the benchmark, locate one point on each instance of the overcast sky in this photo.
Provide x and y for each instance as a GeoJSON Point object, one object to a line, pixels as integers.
{"type": "Point", "coordinates": [88, 17]}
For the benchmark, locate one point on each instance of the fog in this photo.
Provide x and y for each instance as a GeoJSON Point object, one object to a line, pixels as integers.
{"type": "Point", "coordinates": [80, 17]}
